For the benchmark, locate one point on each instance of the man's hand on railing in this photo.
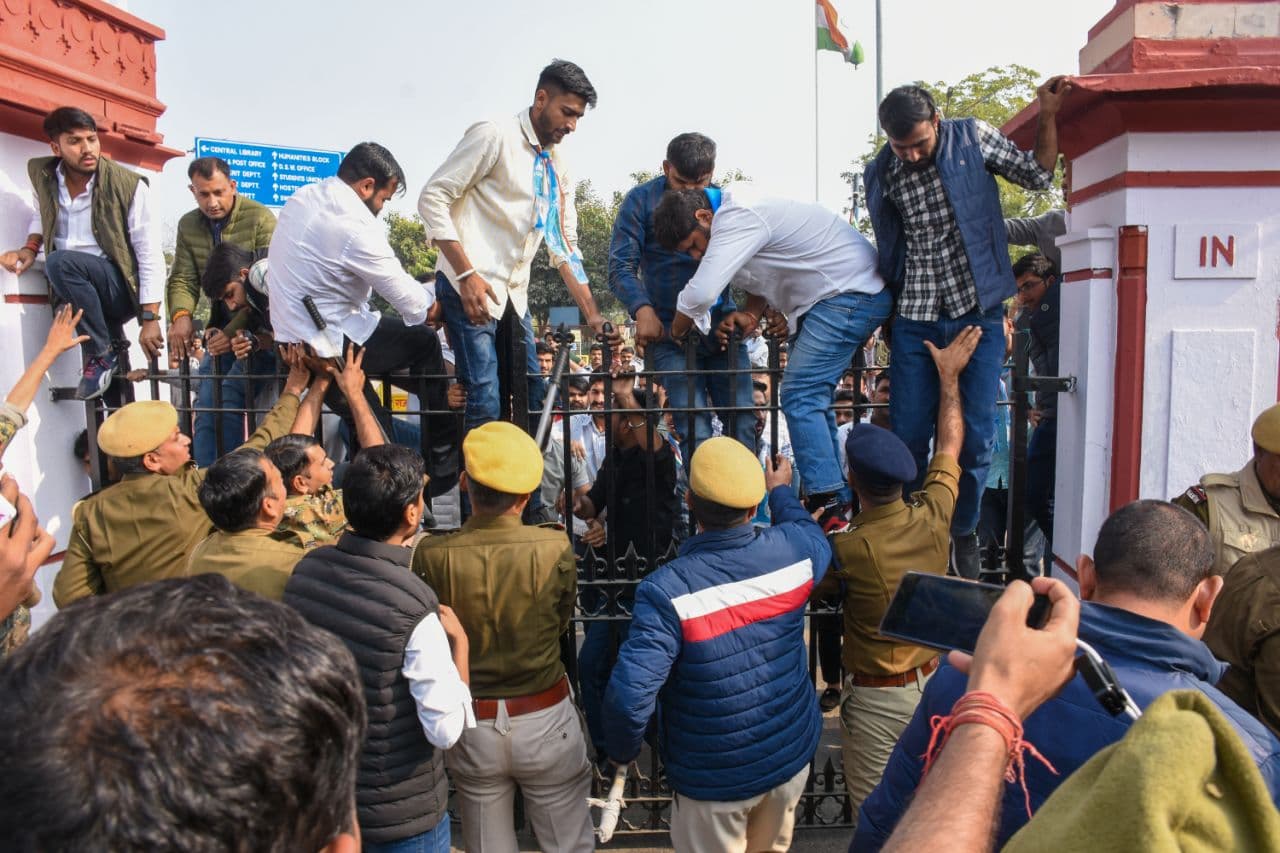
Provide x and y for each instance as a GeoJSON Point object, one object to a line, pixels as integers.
{"type": "Point", "coordinates": [648, 326]}
{"type": "Point", "coordinates": [777, 471]}
{"type": "Point", "coordinates": [216, 343]}
{"type": "Point", "coordinates": [595, 535]}
{"type": "Point", "coordinates": [456, 396]}
{"type": "Point", "coordinates": [743, 321]}
{"type": "Point", "coordinates": [775, 323]}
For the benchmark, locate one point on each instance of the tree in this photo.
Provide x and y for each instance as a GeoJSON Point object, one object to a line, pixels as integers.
{"type": "Point", "coordinates": [595, 227]}
{"type": "Point", "coordinates": [408, 239]}
{"type": "Point", "coordinates": [995, 96]}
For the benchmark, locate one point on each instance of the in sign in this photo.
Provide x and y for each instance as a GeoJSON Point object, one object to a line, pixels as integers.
{"type": "Point", "coordinates": [1216, 251]}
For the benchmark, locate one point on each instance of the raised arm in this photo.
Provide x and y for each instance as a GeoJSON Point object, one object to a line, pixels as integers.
{"type": "Point", "coordinates": [351, 383]}
{"type": "Point", "coordinates": [62, 337]}
{"type": "Point", "coordinates": [1051, 95]}
{"type": "Point", "coordinates": [951, 362]}
{"type": "Point", "coordinates": [309, 410]}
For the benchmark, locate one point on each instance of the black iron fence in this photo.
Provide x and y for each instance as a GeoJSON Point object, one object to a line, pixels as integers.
{"type": "Point", "coordinates": [608, 574]}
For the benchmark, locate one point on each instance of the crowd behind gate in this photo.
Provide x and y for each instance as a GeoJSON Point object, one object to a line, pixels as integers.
{"type": "Point", "coordinates": [297, 615]}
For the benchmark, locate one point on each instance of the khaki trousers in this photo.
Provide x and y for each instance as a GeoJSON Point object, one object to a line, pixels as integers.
{"type": "Point", "coordinates": [763, 822]}
{"type": "Point", "coordinates": [871, 721]}
{"type": "Point", "coordinates": [545, 754]}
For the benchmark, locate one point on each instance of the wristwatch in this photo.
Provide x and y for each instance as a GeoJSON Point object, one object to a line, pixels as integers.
{"type": "Point", "coordinates": [148, 316]}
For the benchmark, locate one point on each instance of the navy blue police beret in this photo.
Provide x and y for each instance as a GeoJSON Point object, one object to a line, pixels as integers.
{"type": "Point", "coordinates": [877, 457]}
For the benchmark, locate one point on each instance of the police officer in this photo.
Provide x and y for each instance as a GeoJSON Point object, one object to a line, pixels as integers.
{"type": "Point", "coordinates": [513, 588]}
{"type": "Point", "coordinates": [244, 495]}
{"type": "Point", "coordinates": [1244, 631]}
{"type": "Point", "coordinates": [889, 537]}
{"type": "Point", "coordinates": [1242, 510]}
{"type": "Point", "coordinates": [145, 527]}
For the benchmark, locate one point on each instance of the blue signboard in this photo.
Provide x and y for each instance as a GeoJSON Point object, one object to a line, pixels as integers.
{"type": "Point", "coordinates": [269, 174]}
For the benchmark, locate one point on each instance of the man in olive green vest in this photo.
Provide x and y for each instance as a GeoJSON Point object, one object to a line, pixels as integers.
{"type": "Point", "coordinates": [1242, 510]}
{"type": "Point", "coordinates": [244, 495]}
{"type": "Point", "coordinates": [102, 252]}
{"type": "Point", "coordinates": [222, 221]}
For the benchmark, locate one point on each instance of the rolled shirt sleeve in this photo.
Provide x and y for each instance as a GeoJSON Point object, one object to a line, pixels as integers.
{"type": "Point", "coordinates": [1008, 160]}
{"type": "Point", "coordinates": [472, 158]}
{"type": "Point", "coordinates": [737, 234]}
{"type": "Point", "coordinates": [146, 247]}
{"type": "Point", "coordinates": [443, 700]}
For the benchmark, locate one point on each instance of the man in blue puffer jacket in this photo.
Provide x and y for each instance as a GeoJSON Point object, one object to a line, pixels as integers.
{"type": "Point", "coordinates": [1147, 599]}
{"type": "Point", "coordinates": [717, 644]}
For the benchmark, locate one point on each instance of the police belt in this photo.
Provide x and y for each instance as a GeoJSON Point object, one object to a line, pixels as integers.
{"type": "Point", "coordinates": [487, 709]}
{"type": "Point", "coordinates": [901, 679]}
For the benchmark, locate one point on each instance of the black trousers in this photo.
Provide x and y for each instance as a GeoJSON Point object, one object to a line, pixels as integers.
{"type": "Point", "coordinates": [396, 348]}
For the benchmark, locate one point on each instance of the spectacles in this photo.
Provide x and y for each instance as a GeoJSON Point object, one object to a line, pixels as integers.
{"type": "Point", "coordinates": [1030, 284]}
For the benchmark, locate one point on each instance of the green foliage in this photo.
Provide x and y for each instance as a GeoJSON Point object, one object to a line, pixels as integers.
{"type": "Point", "coordinates": [995, 96]}
{"type": "Point", "coordinates": [408, 239]}
{"type": "Point", "coordinates": [595, 227]}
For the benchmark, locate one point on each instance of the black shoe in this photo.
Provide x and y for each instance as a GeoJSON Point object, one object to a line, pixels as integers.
{"type": "Point", "coordinates": [830, 699]}
{"type": "Point", "coordinates": [966, 557]}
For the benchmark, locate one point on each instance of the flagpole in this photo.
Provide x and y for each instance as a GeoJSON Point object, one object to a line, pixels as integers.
{"type": "Point", "coordinates": [815, 123]}
{"type": "Point", "coordinates": [879, 71]}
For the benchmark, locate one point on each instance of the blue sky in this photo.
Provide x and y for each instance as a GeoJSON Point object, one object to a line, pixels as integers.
{"type": "Point", "coordinates": [414, 75]}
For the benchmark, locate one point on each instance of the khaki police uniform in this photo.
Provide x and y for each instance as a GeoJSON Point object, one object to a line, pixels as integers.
{"type": "Point", "coordinates": [1242, 518]}
{"type": "Point", "coordinates": [145, 527]}
{"type": "Point", "coordinates": [1244, 631]}
{"type": "Point", "coordinates": [513, 588]}
{"type": "Point", "coordinates": [251, 559]}
{"type": "Point", "coordinates": [884, 679]}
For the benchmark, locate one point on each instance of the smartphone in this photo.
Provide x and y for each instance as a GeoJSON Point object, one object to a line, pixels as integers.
{"type": "Point", "coordinates": [947, 613]}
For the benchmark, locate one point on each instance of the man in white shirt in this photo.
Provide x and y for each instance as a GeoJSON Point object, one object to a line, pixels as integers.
{"type": "Point", "coordinates": [805, 262]}
{"type": "Point", "coordinates": [102, 252]}
{"type": "Point", "coordinates": [330, 248]}
{"type": "Point", "coordinates": [501, 192]}
{"type": "Point", "coordinates": [412, 652]}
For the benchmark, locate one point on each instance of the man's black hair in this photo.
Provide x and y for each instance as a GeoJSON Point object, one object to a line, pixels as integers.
{"type": "Point", "coordinates": [377, 487]}
{"type": "Point", "coordinates": [81, 445]}
{"type": "Point", "coordinates": [674, 219]}
{"type": "Point", "coordinates": [882, 376]}
{"type": "Point", "coordinates": [580, 383]}
{"type": "Point", "coordinates": [233, 489]}
{"type": "Point", "coordinates": [564, 77]}
{"type": "Point", "coordinates": [1153, 549]}
{"type": "Point", "coordinates": [541, 348]}
{"type": "Point", "coordinates": [371, 160]}
{"type": "Point", "coordinates": [692, 154]}
{"type": "Point", "coordinates": [1036, 264]}
{"type": "Point", "coordinates": [712, 515]}
{"type": "Point", "coordinates": [904, 108]}
{"type": "Point", "coordinates": [223, 267]}
{"type": "Point", "coordinates": [289, 454]}
{"type": "Point", "coordinates": [489, 500]}
{"type": "Point", "coordinates": [844, 395]}
{"type": "Point", "coordinates": [184, 714]}
{"type": "Point", "coordinates": [597, 347]}
{"type": "Point", "coordinates": [206, 167]}
{"type": "Point", "coordinates": [66, 120]}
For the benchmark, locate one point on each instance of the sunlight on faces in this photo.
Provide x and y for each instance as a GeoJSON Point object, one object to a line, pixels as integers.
{"type": "Point", "coordinates": [316, 474]}
{"type": "Point", "coordinates": [373, 196]}
{"type": "Point", "coordinates": [79, 149]}
{"type": "Point", "coordinates": [171, 456]}
{"type": "Point", "coordinates": [555, 115]}
{"type": "Point", "coordinates": [546, 361]}
{"type": "Point", "coordinates": [214, 196]}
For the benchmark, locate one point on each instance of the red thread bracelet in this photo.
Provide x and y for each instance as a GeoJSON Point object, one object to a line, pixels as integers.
{"type": "Point", "coordinates": [986, 709]}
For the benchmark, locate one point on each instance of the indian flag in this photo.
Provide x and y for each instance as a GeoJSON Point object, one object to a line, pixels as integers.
{"type": "Point", "coordinates": [832, 35]}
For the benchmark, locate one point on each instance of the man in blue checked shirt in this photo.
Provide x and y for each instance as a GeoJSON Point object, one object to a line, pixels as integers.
{"type": "Point", "coordinates": [647, 278]}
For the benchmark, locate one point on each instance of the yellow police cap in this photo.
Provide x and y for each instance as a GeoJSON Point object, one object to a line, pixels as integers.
{"type": "Point", "coordinates": [137, 428]}
{"type": "Point", "coordinates": [724, 471]}
{"type": "Point", "coordinates": [502, 456]}
{"type": "Point", "coordinates": [1266, 430]}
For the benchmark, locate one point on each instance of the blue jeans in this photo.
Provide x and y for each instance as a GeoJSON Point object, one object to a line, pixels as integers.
{"type": "Point", "coordinates": [913, 408]}
{"type": "Point", "coordinates": [432, 841]}
{"type": "Point", "coordinates": [830, 332]}
{"type": "Point", "coordinates": [96, 286]}
{"type": "Point", "coordinates": [475, 352]}
{"type": "Point", "coordinates": [713, 390]}
{"type": "Point", "coordinates": [595, 664]}
{"type": "Point", "coordinates": [237, 395]}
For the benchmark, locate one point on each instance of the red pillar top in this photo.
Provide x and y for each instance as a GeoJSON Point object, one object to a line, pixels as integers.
{"type": "Point", "coordinates": [87, 54]}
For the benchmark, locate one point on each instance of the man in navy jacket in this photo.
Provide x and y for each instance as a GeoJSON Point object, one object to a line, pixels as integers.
{"type": "Point", "coordinates": [717, 644]}
{"type": "Point", "coordinates": [1147, 596]}
{"type": "Point", "coordinates": [940, 233]}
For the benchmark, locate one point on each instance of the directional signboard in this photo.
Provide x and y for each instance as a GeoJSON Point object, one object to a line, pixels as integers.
{"type": "Point", "coordinates": [269, 174]}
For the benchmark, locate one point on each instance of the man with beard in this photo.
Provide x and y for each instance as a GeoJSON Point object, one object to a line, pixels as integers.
{"type": "Point", "coordinates": [329, 253]}
{"type": "Point", "coordinates": [102, 252]}
{"type": "Point", "coordinates": [500, 192]}
{"type": "Point", "coordinates": [940, 233]}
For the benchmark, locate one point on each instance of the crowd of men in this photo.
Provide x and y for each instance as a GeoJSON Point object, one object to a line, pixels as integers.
{"type": "Point", "coordinates": [273, 648]}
